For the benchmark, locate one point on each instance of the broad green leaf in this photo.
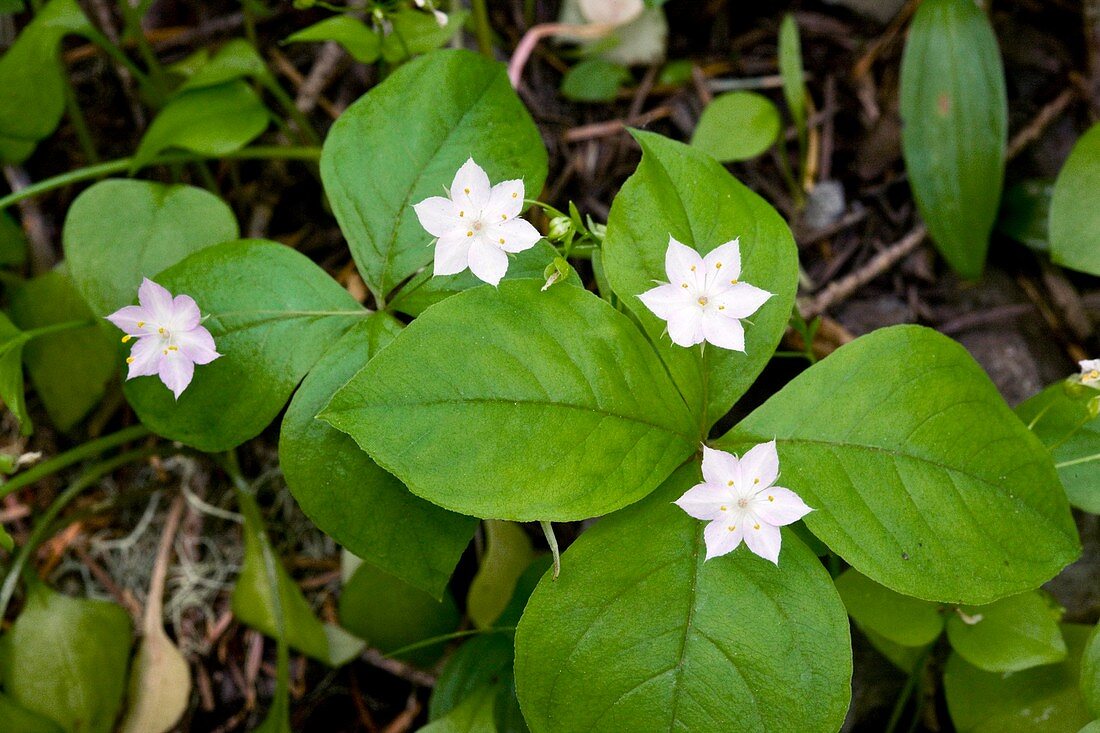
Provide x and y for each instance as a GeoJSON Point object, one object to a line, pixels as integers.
{"type": "Point", "coordinates": [391, 614]}
{"type": "Point", "coordinates": [954, 127]}
{"type": "Point", "coordinates": [119, 231]}
{"type": "Point", "coordinates": [457, 105]}
{"type": "Point", "coordinates": [790, 67]}
{"type": "Point", "coordinates": [65, 659]}
{"type": "Point", "coordinates": [571, 412]}
{"type": "Point", "coordinates": [904, 658]}
{"type": "Point", "coordinates": [1025, 213]}
{"type": "Point", "coordinates": [481, 662]}
{"type": "Point", "coordinates": [356, 37]}
{"type": "Point", "coordinates": [683, 192]}
{"type": "Point", "coordinates": [346, 494]}
{"type": "Point", "coordinates": [1090, 672]}
{"type": "Point", "coordinates": [235, 60]}
{"type": "Point", "coordinates": [474, 715]}
{"type": "Point", "coordinates": [269, 337]}
{"type": "Point", "coordinates": [594, 80]}
{"type": "Point", "coordinates": [737, 126]}
{"type": "Point", "coordinates": [1064, 417]}
{"type": "Point", "coordinates": [209, 121]}
{"type": "Point", "coordinates": [919, 474]}
{"type": "Point", "coordinates": [32, 85]}
{"type": "Point", "coordinates": [1008, 635]}
{"type": "Point", "coordinates": [415, 32]}
{"type": "Point", "coordinates": [255, 601]}
{"type": "Point", "coordinates": [525, 586]}
{"type": "Point", "coordinates": [639, 633]}
{"type": "Point", "coordinates": [1037, 700]}
{"type": "Point", "coordinates": [508, 552]}
{"type": "Point", "coordinates": [1074, 238]}
{"type": "Point", "coordinates": [906, 621]}
{"type": "Point", "coordinates": [424, 289]}
{"type": "Point", "coordinates": [11, 372]}
{"type": "Point", "coordinates": [16, 718]}
{"type": "Point", "coordinates": [70, 369]}
{"type": "Point", "coordinates": [13, 241]}
{"type": "Point", "coordinates": [1093, 727]}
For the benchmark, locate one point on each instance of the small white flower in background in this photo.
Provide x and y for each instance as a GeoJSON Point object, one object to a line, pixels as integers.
{"type": "Point", "coordinates": [704, 298]}
{"type": "Point", "coordinates": [611, 12]}
{"type": "Point", "coordinates": [440, 17]}
{"type": "Point", "coordinates": [741, 502]}
{"type": "Point", "coordinates": [478, 225]}
{"type": "Point", "coordinates": [1090, 372]}
{"type": "Point", "coordinates": [170, 337]}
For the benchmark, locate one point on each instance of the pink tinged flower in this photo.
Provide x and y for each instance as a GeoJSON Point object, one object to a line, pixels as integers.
{"type": "Point", "coordinates": [704, 298]}
{"type": "Point", "coordinates": [739, 499]}
{"type": "Point", "coordinates": [170, 337]}
{"type": "Point", "coordinates": [1090, 372]}
{"type": "Point", "coordinates": [477, 225]}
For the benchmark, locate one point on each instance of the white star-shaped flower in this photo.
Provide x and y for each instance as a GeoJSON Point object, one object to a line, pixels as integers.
{"type": "Point", "coordinates": [478, 225]}
{"type": "Point", "coordinates": [741, 502]}
{"type": "Point", "coordinates": [1090, 372]}
{"type": "Point", "coordinates": [704, 298]}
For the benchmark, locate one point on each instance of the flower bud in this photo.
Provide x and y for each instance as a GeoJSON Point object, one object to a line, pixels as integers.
{"type": "Point", "coordinates": [560, 227]}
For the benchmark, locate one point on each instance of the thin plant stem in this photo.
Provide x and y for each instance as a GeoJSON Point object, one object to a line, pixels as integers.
{"type": "Point", "coordinates": [80, 124]}
{"type": "Point", "coordinates": [432, 641]}
{"type": "Point", "coordinates": [56, 328]}
{"type": "Point", "coordinates": [552, 540]}
{"type": "Point", "coordinates": [482, 29]}
{"type": "Point", "coordinates": [907, 692]}
{"type": "Point", "coordinates": [305, 129]}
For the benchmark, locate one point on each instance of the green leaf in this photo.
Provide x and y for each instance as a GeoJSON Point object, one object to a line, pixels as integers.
{"type": "Point", "coordinates": [901, 436]}
{"type": "Point", "coordinates": [16, 718]}
{"type": "Point", "coordinates": [1093, 727]}
{"type": "Point", "coordinates": [594, 80]}
{"type": "Point", "coordinates": [375, 170]}
{"type": "Point", "coordinates": [13, 241]}
{"type": "Point", "coordinates": [1025, 213]}
{"type": "Point", "coordinates": [269, 337]}
{"type": "Point", "coordinates": [790, 68]}
{"type": "Point", "coordinates": [683, 192]}
{"type": "Point", "coordinates": [508, 552]}
{"type": "Point", "coordinates": [571, 412]}
{"type": "Point", "coordinates": [65, 659]}
{"type": "Point", "coordinates": [1064, 418]}
{"type": "Point", "coordinates": [237, 59]}
{"type": "Point", "coordinates": [10, 7]}
{"type": "Point", "coordinates": [480, 662]}
{"type": "Point", "coordinates": [954, 127]}
{"type": "Point", "coordinates": [32, 79]}
{"type": "Point", "coordinates": [355, 36]}
{"type": "Point", "coordinates": [639, 633]}
{"type": "Point", "coordinates": [11, 375]}
{"type": "Point", "coordinates": [211, 121]}
{"type": "Point", "coordinates": [1074, 237]}
{"type": "Point", "coordinates": [414, 32]}
{"type": "Point", "coordinates": [474, 715]}
{"type": "Point", "coordinates": [737, 126]}
{"type": "Point", "coordinates": [6, 541]}
{"type": "Point", "coordinates": [1009, 635]}
{"type": "Point", "coordinates": [255, 601]}
{"type": "Point", "coordinates": [905, 658]}
{"type": "Point", "coordinates": [346, 494]}
{"type": "Point", "coordinates": [391, 614]}
{"type": "Point", "coordinates": [1037, 700]}
{"type": "Point", "coordinates": [1090, 672]}
{"type": "Point", "coordinates": [903, 620]}
{"type": "Point", "coordinates": [70, 370]}
{"type": "Point", "coordinates": [119, 231]}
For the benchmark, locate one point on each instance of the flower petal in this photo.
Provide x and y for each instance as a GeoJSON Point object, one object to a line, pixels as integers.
{"type": "Point", "coordinates": [505, 202]}
{"type": "Point", "coordinates": [723, 263]}
{"type": "Point", "coordinates": [779, 506]}
{"type": "Point", "coordinates": [722, 537]}
{"type": "Point", "coordinates": [760, 466]}
{"type": "Point", "coordinates": [489, 263]}
{"type": "Point", "coordinates": [725, 333]}
{"type": "Point", "coordinates": [682, 264]}
{"type": "Point", "coordinates": [196, 345]}
{"type": "Point", "coordinates": [470, 189]}
{"type": "Point", "coordinates": [765, 540]}
{"type": "Point", "coordinates": [452, 254]}
{"type": "Point", "coordinates": [439, 215]}
{"type": "Point", "coordinates": [719, 467]}
{"type": "Point", "coordinates": [514, 235]}
{"type": "Point", "coordinates": [185, 314]}
{"type": "Point", "coordinates": [176, 372]}
{"type": "Point", "coordinates": [664, 300]}
{"type": "Point", "coordinates": [741, 300]}
{"type": "Point", "coordinates": [145, 357]}
{"type": "Point", "coordinates": [685, 326]}
{"type": "Point", "coordinates": [156, 301]}
{"type": "Point", "coordinates": [129, 317]}
{"type": "Point", "coordinates": [705, 501]}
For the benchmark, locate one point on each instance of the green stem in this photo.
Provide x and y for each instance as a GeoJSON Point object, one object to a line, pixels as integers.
{"type": "Point", "coordinates": [122, 165]}
{"type": "Point", "coordinates": [552, 540]}
{"type": "Point", "coordinates": [432, 641]}
{"type": "Point", "coordinates": [42, 527]}
{"type": "Point", "coordinates": [132, 18]}
{"type": "Point", "coordinates": [75, 455]}
{"type": "Point", "coordinates": [56, 328]}
{"type": "Point", "coordinates": [305, 129]}
{"type": "Point", "coordinates": [482, 29]}
{"type": "Point", "coordinates": [80, 124]}
{"type": "Point", "coordinates": [907, 692]}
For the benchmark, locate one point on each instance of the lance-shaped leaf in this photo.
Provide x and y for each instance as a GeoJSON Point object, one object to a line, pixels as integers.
{"type": "Point", "coordinates": [640, 633]}
{"type": "Point", "coordinates": [955, 126]}
{"type": "Point", "coordinates": [517, 404]}
{"type": "Point", "coordinates": [11, 372]}
{"type": "Point", "coordinates": [374, 169]}
{"type": "Point", "coordinates": [1075, 227]}
{"type": "Point", "coordinates": [683, 192]}
{"type": "Point", "coordinates": [272, 313]}
{"type": "Point", "coordinates": [920, 475]}
{"type": "Point", "coordinates": [508, 552]}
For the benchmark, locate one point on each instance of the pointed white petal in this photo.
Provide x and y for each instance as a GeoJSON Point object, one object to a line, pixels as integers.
{"type": "Point", "coordinates": [741, 300]}
{"type": "Point", "coordinates": [704, 501]}
{"type": "Point", "coordinates": [664, 300]}
{"type": "Point", "coordinates": [760, 466]}
{"type": "Point", "coordinates": [452, 254]}
{"type": "Point", "coordinates": [685, 326]}
{"type": "Point", "coordinates": [128, 319]}
{"type": "Point", "coordinates": [157, 301]}
{"type": "Point", "coordinates": [176, 372]}
{"type": "Point", "coordinates": [146, 354]}
{"type": "Point", "coordinates": [679, 263]}
{"type": "Point", "coordinates": [780, 506]}
{"type": "Point", "coordinates": [723, 263]}
{"type": "Point", "coordinates": [722, 537]}
{"type": "Point", "coordinates": [439, 215]}
{"type": "Point", "coordinates": [725, 333]}
{"type": "Point", "coordinates": [505, 202]}
{"type": "Point", "coordinates": [185, 314]}
{"type": "Point", "coordinates": [514, 235]}
{"type": "Point", "coordinates": [763, 539]}
{"type": "Point", "coordinates": [196, 345]}
{"type": "Point", "coordinates": [720, 468]}
{"type": "Point", "coordinates": [489, 263]}
{"type": "Point", "coordinates": [470, 189]}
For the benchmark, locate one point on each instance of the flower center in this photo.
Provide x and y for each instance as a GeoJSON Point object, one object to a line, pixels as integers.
{"type": "Point", "coordinates": [743, 502]}
{"type": "Point", "coordinates": [1092, 376]}
{"type": "Point", "coordinates": [703, 300]}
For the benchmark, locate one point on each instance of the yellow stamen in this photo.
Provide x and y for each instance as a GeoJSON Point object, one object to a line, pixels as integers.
{"type": "Point", "coordinates": [515, 195]}
{"type": "Point", "coordinates": [729, 483]}
{"type": "Point", "coordinates": [161, 330]}
{"type": "Point", "coordinates": [462, 213]}
{"type": "Point", "coordinates": [733, 281]}
{"type": "Point", "coordinates": [173, 348]}
{"type": "Point", "coordinates": [703, 300]}
{"type": "Point", "coordinates": [141, 323]}
{"type": "Point", "coordinates": [466, 190]}
{"type": "Point", "coordinates": [756, 526]}
{"type": "Point", "coordinates": [129, 360]}
{"type": "Point", "coordinates": [502, 240]}
{"type": "Point", "coordinates": [504, 217]}
{"type": "Point", "coordinates": [469, 234]}
{"type": "Point", "coordinates": [756, 481]}
{"type": "Point", "coordinates": [126, 338]}
{"type": "Point", "coordinates": [166, 352]}
{"type": "Point", "coordinates": [684, 285]}
{"type": "Point", "coordinates": [724, 508]}
{"type": "Point", "coordinates": [721, 307]}
{"type": "Point", "coordinates": [717, 265]}
{"type": "Point", "coordinates": [731, 528]}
